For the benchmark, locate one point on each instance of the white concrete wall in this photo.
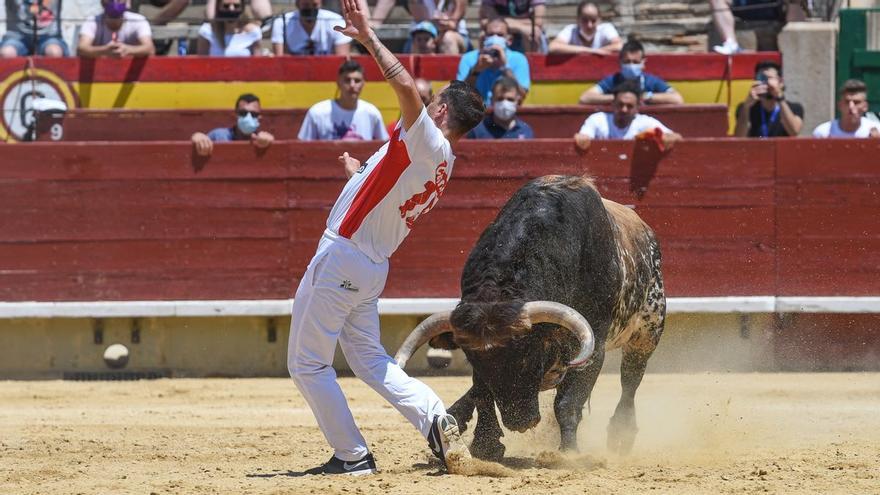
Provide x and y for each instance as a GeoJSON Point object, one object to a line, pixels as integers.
{"type": "Point", "coordinates": [809, 52]}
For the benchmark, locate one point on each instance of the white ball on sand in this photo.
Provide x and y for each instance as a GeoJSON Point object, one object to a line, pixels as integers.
{"type": "Point", "coordinates": [116, 356]}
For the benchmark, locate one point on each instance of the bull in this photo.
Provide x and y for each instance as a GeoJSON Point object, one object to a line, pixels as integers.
{"type": "Point", "coordinates": [559, 278]}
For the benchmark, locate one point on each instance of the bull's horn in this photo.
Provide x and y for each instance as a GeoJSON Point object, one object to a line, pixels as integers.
{"type": "Point", "coordinates": [433, 326]}
{"type": "Point", "coordinates": [562, 315]}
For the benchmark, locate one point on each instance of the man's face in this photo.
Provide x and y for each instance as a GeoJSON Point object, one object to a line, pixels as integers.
{"type": "Point", "coordinates": [770, 76]}
{"type": "Point", "coordinates": [423, 42]}
{"type": "Point", "coordinates": [635, 57]}
{"type": "Point", "coordinates": [308, 5]}
{"type": "Point", "coordinates": [351, 84]}
{"type": "Point", "coordinates": [509, 95]}
{"type": "Point", "coordinates": [588, 19]}
{"type": "Point", "coordinates": [853, 105]}
{"type": "Point", "coordinates": [626, 106]}
{"type": "Point", "coordinates": [496, 28]}
{"type": "Point", "coordinates": [437, 110]}
{"type": "Point", "coordinates": [248, 107]}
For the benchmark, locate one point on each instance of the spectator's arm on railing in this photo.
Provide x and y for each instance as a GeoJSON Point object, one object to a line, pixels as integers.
{"type": "Point", "coordinates": [380, 12]}
{"type": "Point", "coordinates": [671, 97]}
{"type": "Point", "coordinates": [595, 96]}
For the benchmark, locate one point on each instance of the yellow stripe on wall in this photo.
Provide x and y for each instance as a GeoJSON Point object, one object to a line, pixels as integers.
{"type": "Point", "coordinates": [277, 94]}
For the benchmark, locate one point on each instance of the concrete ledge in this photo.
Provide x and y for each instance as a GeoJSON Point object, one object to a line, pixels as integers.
{"type": "Point", "coordinates": [415, 306]}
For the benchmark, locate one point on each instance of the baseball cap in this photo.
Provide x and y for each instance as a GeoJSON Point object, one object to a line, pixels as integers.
{"type": "Point", "coordinates": [426, 26]}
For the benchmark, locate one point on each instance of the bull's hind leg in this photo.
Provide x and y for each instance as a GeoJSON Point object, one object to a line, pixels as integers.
{"type": "Point", "coordinates": [571, 395]}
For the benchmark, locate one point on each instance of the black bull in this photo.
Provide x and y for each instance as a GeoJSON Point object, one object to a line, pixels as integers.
{"type": "Point", "coordinates": [555, 241]}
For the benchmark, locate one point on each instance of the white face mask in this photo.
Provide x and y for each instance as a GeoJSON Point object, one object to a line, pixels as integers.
{"type": "Point", "coordinates": [505, 109]}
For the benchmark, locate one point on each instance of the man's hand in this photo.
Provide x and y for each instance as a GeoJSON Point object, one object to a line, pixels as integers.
{"type": "Point", "coordinates": [582, 141]}
{"type": "Point", "coordinates": [202, 143]}
{"type": "Point", "coordinates": [120, 50]}
{"type": "Point", "coordinates": [350, 164]}
{"type": "Point", "coordinates": [774, 88]}
{"type": "Point", "coordinates": [357, 21]}
{"type": "Point", "coordinates": [262, 139]}
{"type": "Point", "coordinates": [758, 90]}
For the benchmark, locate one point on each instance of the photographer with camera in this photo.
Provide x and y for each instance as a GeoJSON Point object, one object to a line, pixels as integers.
{"type": "Point", "coordinates": [32, 28]}
{"type": "Point", "coordinates": [766, 112]}
{"type": "Point", "coordinates": [480, 68]}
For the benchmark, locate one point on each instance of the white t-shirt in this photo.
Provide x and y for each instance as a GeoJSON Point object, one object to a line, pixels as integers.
{"type": "Point", "coordinates": [237, 44]}
{"type": "Point", "coordinates": [134, 27]}
{"type": "Point", "coordinates": [831, 129]}
{"type": "Point", "coordinates": [327, 121]}
{"type": "Point", "coordinates": [605, 33]}
{"type": "Point", "coordinates": [600, 125]}
{"type": "Point", "coordinates": [323, 37]}
{"type": "Point", "coordinates": [402, 181]}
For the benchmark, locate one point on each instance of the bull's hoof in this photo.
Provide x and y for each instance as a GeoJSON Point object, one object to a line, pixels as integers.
{"type": "Point", "coordinates": [621, 435]}
{"type": "Point", "coordinates": [487, 450]}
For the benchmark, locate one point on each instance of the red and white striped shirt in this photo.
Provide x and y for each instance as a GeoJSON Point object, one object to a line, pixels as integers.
{"type": "Point", "coordinates": [399, 183]}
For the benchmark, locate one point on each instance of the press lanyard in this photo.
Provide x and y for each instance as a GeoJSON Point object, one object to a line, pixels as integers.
{"type": "Point", "coordinates": [765, 124]}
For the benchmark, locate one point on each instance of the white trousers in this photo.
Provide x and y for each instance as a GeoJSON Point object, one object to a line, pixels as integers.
{"type": "Point", "coordinates": [337, 300]}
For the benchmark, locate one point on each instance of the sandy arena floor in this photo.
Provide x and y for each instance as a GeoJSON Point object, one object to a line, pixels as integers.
{"type": "Point", "coordinates": [705, 433]}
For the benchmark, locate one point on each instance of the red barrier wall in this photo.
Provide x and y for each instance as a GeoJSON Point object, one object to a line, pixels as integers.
{"type": "Point", "coordinates": [148, 221]}
{"type": "Point", "coordinates": [164, 125]}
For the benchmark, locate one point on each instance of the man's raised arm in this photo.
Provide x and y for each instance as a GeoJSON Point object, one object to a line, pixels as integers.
{"type": "Point", "coordinates": [357, 26]}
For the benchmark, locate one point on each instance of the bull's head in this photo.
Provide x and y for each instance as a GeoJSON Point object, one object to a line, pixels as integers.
{"type": "Point", "coordinates": [506, 354]}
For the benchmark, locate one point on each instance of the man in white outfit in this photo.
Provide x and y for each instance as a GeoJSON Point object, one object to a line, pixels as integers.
{"type": "Point", "coordinates": [338, 295]}
{"type": "Point", "coordinates": [852, 105]}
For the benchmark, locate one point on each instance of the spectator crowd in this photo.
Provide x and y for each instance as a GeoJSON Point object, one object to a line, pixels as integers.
{"type": "Point", "coordinates": [495, 63]}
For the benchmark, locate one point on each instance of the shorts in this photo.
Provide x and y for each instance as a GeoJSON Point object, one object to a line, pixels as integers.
{"type": "Point", "coordinates": [24, 44]}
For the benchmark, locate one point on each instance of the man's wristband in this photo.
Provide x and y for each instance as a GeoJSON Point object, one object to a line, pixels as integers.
{"type": "Point", "coordinates": [780, 98]}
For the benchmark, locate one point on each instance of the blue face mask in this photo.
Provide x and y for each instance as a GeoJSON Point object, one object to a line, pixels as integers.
{"type": "Point", "coordinates": [631, 71]}
{"type": "Point", "coordinates": [248, 124]}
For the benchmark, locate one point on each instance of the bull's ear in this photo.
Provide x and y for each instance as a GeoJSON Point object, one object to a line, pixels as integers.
{"type": "Point", "coordinates": [443, 341]}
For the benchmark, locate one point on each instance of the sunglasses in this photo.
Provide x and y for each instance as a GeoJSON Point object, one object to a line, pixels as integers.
{"type": "Point", "coordinates": [242, 113]}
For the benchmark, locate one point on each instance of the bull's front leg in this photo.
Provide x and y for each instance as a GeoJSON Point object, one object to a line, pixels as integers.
{"type": "Point", "coordinates": [571, 395]}
{"type": "Point", "coordinates": [463, 409]}
{"type": "Point", "coordinates": [487, 434]}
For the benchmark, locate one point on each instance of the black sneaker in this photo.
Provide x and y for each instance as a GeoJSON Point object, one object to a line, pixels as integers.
{"type": "Point", "coordinates": [367, 465]}
{"type": "Point", "coordinates": [445, 437]}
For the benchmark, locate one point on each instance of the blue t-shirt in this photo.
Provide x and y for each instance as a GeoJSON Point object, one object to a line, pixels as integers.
{"type": "Point", "coordinates": [222, 134]}
{"type": "Point", "coordinates": [488, 129]}
{"type": "Point", "coordinates": [516, 62]}
{"type": "Point", "coordinates": [649, 82]}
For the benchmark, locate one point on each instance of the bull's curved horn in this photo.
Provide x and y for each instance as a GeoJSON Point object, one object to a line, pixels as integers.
{"type": "Point", "coordinates": [433, 326]}
{"type": "Point", "coordinates": [564, 316]}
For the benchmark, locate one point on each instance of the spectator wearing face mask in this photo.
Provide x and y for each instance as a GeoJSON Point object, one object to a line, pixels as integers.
{"type": "Point", "coordinates": [589, 35]}
{"type": "Point", "coordinates": [116, 33]}
{"type": "Point", "coordinates": [852, 105]}
{"type": "Point", "coordinates": [246, 128]}
{"type": "Point", "coordinates": [632, 65]}
{"type": "Point", "coordinates": [230, 34]}
{"type": "Point", "coordinates": [480, 68]}
{"type": "Point", "coordinates": [501, 122]}
{"type": "Point", "coordinates": [346, 117]}
{"type": "Point", "coordinates": [624, 122]}
{"type": "Point", "coordinates": [309, 31]}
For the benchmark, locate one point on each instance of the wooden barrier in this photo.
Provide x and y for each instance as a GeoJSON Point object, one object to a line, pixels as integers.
{"type": "Point", "coordinates": [151, 222]}
{"type": "Point", "coordinates": [166, 125]}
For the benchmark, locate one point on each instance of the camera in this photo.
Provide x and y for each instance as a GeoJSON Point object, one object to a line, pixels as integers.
{"type": "Point", "coordinates": [493, 52]}
{"type": "Point", "coordinates": [762, 78]}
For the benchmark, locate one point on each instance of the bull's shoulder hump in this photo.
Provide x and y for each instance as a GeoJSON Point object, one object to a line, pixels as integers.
{"type": "Point", "coordinates": [626, 219]}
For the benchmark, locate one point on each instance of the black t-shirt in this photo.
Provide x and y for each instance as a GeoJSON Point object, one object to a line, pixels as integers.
{"type": "Point", "coordinates": [759, 119]}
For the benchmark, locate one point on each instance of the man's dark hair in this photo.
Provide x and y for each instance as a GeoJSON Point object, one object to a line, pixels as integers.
{"type": "Point", "coordinates": [853, 86]}
{"type": "Point", "coordinates": [506, 83]}
{"type": "Point", "coordinates": [628, 86]}
{"type": "Point", "coordinates": [583, 4]}
{"type": "Point", "coordinates": [247, 98]}
{"type": "Point", "coordinates": [466, 108]}
{"type": "Point", "coordinates": [767, 64]}
{"type": "Point", "coordinates": [349, 66]}
{"type": "Point", "coordinates": [632, 46]}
